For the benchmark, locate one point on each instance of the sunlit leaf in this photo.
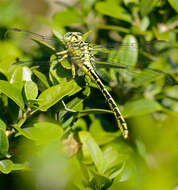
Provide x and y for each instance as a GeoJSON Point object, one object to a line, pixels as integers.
{"type": "Point", "coordinates": [86, 156]}
{"type": "Point", "coordinates": [44, 131]}
{"type": "Point", "coordinates": [141, 107]}
{"type": "Point", "coordinates": [96, 154]}
{"type": "Point", "coordinates": [17, 167]}
{"type": "Point", "coordinates": [5, 63]}
{"type": "Point", "coordinates": [113, 27]}
{"type": "Point", "coordinates": [31, 90]}
{"type": "Point", "coordinates": [91, 150]}
{"type": "Point", "coordinates": [113, 10]}
{"type": "Point", "coordinates": [12, 92]}
{"type": "Point", "coordinates": [8, 50]}
{"type": "Point", "coordinates": [100, 135]}
{"type": "Point", "coordinates": [58, 72]}
{"type": "Point", "coordinates": [4, 143]}
{"type": "Point", "coordinates": [174, 4]}
{"type": "Point", "coordinates": [20, 74]}
{"type": "Point", "coordinates": [118, 171]}
{"type": "Point", "coordinates": [52, 95]}
{"type": "Point", "coordinates": [114, 159]}
{"type": "Point", "coordinates": [6, 166]}
{"type": "Point", "coordinates": [147, 6]}
{"type": "Point", "coordinates": [67, 17]}
{"type": "Point", "coordinates": [42, 77]}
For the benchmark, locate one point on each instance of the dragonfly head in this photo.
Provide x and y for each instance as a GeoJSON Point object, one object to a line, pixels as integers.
{"type": "Point", "coordinates": [73, 37]}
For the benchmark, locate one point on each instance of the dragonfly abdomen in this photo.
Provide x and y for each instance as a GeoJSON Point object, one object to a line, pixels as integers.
{"type": "Point", "coordinates": [120, 120]}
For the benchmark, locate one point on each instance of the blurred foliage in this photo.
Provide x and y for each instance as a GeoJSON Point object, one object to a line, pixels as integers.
{"type": "Point", "coordinates": [57, 133]}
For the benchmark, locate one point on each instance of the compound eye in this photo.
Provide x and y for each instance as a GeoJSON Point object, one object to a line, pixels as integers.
{"type": "Point", "coordinates": [68, 34]}
{"type": "Point", "coordinates": [79, 33]}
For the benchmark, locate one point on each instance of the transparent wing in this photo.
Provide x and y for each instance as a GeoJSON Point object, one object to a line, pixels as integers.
{"type": "Point", "coordinates": [118, 56]}
{"type": "Point", "coordinates": [51, 42]}
{"type": "Point", "coordinates": [137, 76]}
{"type": "Point", "coordinates": [153, 46]}
{"type": "Point", "coordinates": [136, 62]}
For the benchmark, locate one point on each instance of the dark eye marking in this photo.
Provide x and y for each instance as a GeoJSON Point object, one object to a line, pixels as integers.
{"type": "Point", "coordinates": [79, 34]}
{"type": "Point", "coordinates": [68, 34]}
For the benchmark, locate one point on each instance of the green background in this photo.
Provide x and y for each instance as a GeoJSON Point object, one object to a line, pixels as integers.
{"type": "Point", "coordinates": [45, 146]}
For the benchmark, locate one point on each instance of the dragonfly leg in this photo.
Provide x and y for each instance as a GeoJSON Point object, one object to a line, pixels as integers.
{"type": "Point", "coordinates": [63, 57]}
{"type": "Point", "coordinates": [73, 70]}
{"type": "Point", "coordinates": [62, 52]}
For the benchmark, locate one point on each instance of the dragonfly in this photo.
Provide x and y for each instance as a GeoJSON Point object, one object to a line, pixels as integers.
{"type": "Point", "coordinates": [82, 56]}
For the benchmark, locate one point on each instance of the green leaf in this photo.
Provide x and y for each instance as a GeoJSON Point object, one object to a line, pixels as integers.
{"type": "Point", "coordinates": [21, 131]}
{"type": "Point", "coordinates": [4, 143]}
{"type": "Point", "coordinates": [100, 181]}
{"type": "Point", "coordinates": [113, 10]}
{"type": "Point", "coordinates": [6, 166]}
{"type": "Point", "coordinates": [5, 64]}
{"type": "Point", "coordinates": [127, 2]}
{"type": "Point", "coordinates": [52, 95]}
{"type": "Point", "coordinates": [67, 17]}
{"type": "Point", "coordinates": [8, 50]}
{"type": "Point", "coordinates": [80, 124]}
{"type": "Point", "coordinates": [42, 77]}
{"type": "Point", "coordinates": [174, 4]}
{"type": "Point", "coordinates": [141, 107]}
{"type": "Point", "coordinates": [114, 27]}
{"type": "Point", "coordinates": [144, 23]}
{"type": "Point", "coordinates": [100, 135]}
{"type": "Point", "coordinates": [19, 166]}
{"type": "Point", "coordinates": [117, 171]}
{"type": "Point", "coordinates": [44, 132]}
{"type": "Point", "coordinates": [2, 124]}
{"type": "Point", "coordinates": [88, 3]}
{"type": "Point", "coordinates": [86, 157]}
{"type": "Point", "coordinates": [58, 73]}
{"type": "Point", "coordinates": [91, 150]}
{"type": "Point", "coordinates": [146, 6]}
{"type": "Point", "coordinates": [114, 159]}
{"type": "Point", "coordinates": [12, 92]}
{"type": "Point", "coordinates": [96, 154]}
{"type": "Point", "coordinates": [75, 104]}
{"type": "Point", "coordinates": [20, 74]}
{"type": "Point", "coordinates": [31, 90]}
{"type": "Point", "coordinates": [141, 148]}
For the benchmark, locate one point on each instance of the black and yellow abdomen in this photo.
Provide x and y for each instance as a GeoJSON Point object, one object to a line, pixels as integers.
{"type": "Point", "coordinates": [81, 56]}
